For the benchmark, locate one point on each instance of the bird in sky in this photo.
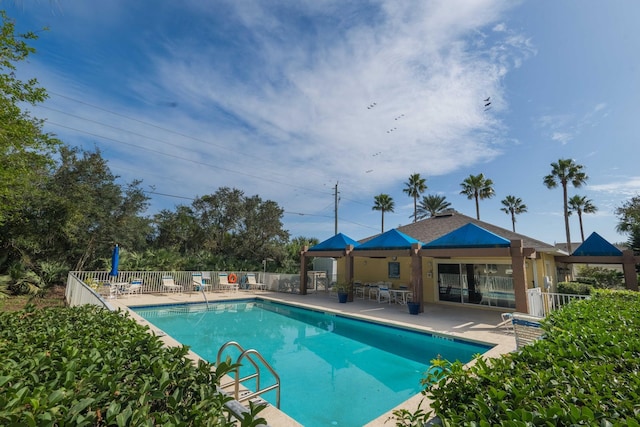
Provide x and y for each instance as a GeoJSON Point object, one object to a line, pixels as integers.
{"type": "Point", "coordinates": [487, 104]}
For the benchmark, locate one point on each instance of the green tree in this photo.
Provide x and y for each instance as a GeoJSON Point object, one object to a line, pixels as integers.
{"type": "Point", "coordinates": [431, 205]}
{"type": "Point", "coordinates": [414, 188]}
{"type": "Point", "coordinates": [77, 215]}
{"type": "Point", "coordinates": [629, 221]}
{"type": "Point", "coordinates": [25, 150]}
{"type": "Point", "coordinates": [260, 234]}
{"type": "Point", "coordinates": [479, 188]}
{"type": "Point", "coordinates": [384, 203]}
{"type": "Point", "coordinates": [220, 215]}
{"type": "Point", "coordinates": [513, 205]}
{"type": "Point", "coordinates": [178, 230]}
{"type": "Point", "coordinates": [580, 205]}
{"type": "Point", "coordinates": [565, 172]}
{"type": "Point", "coordinates": [293, 249]}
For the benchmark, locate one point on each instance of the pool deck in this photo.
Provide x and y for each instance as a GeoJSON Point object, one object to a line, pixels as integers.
{"type": "Point", "coordinates": [469, 323]}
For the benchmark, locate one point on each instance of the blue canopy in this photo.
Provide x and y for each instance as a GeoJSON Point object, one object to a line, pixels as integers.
{"type": "Point", "coordinates": [392, 239]}
{"type": "Point", "coordinates": [469, 236]}
{"type": "Point", "coordinates": [115, 259]}
{"type": "Point", "coordinates": [596, 245]}
{"type": "Point", "coordinates": [335, 243]}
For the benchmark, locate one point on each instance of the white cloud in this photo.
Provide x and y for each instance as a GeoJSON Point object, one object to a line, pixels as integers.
{"type": "Point", "coordinates": [259, 101]}
{"type": "Point", "coordinates": [628, 187]}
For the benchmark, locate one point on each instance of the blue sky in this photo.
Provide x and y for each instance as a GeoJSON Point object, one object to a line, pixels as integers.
{"type": "Point", "coordinates": [286, 99]}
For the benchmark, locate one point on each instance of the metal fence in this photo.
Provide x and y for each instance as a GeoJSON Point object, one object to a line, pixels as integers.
{"type": "Point", "coordinates": [101, 283]}
{"type": "Point", "coordinates": [543, 303]}
{"type": "Point", "coordinates": [78, 293]}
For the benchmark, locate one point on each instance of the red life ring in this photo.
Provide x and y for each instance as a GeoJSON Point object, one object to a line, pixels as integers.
{"type": "Point", "coordinates": [233, 278]}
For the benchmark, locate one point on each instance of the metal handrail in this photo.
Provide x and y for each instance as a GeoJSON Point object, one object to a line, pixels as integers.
{"type": "Point", "coordinates": [237, 380]}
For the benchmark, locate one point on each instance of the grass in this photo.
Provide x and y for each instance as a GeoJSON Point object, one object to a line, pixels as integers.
{"type": "Point", "coordinates": [54, 298]}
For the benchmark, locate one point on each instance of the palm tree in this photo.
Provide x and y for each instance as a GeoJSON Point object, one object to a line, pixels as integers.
{"type": "Point", "coordinates": [566, 171]}
{"type": "Point", "coordinates": [431, 205]}
{"type": "Point", "coordinates": [414, 188]}
{"type": "Point", "coordinates": [513, 205]}
{"type": "Point", "coordinates": [581, 204]}
{"type": "Point", "coordinates": [384, 203]}
{"type": "Point", "coordinates": [477, 187]}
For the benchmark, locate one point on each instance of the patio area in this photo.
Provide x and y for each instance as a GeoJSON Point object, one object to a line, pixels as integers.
{"type": "Point", "coordinates": [453, 320]}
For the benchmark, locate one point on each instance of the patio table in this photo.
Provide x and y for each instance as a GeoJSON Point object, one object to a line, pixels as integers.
{"type": "Point", "coordinates": [400, 295]}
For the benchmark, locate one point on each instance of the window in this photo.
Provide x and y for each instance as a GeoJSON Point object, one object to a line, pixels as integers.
{"type": "Point", "coordinates": [394, 270]}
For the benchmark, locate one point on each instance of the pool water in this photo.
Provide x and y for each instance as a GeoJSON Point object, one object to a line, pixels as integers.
{"type": "Point", "coordinates": [334, 370]}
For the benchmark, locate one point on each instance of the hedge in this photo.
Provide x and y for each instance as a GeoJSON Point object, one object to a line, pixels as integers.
{"type": "Point", "coordinates": [586, 371]}
{"type": "Point", "coordinates": [87, 366]}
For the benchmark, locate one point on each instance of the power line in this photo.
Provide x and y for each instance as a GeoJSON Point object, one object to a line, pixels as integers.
{"type": "Point", "coordinates": [137, 121]}
{"type": "Point", "coordinates": [243, 173]}
{"type": "Point", "coordinates": [285, 212]}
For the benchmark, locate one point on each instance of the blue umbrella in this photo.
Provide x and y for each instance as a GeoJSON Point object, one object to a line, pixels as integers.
{"type": "Point", "coordinates": [115, 259]}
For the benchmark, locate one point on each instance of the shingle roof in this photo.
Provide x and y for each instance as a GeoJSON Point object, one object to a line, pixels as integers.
{"type": "Point", "coordinates": [435, 227]}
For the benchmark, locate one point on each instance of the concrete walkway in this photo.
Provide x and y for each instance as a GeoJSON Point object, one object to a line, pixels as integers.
{"type": "Point", "coordinates": [470, 323]}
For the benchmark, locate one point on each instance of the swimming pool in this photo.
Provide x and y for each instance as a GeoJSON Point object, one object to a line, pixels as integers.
{"type": "Point", "coordinates": [334, 370]}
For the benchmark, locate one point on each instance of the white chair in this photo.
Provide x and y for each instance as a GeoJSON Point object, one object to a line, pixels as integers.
{"type": "Point", "coordinates": [251, 281]}
{"type": "Point", "coordinates": [384, 294]}
{"type": "Point", "coordinates": [225, 285]}
{"type": "Point", "coordinates": [198, 282]}
{"type": "Point", "coordinates": [135, 287]}
{"type": "Point", "coordinates": [170, 285]}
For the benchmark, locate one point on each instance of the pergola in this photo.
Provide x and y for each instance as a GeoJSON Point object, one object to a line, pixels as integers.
{"type": "Point", "coordinates": [478, 244]}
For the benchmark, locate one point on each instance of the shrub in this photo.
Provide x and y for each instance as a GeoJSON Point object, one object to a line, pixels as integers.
{"type": "Point", "coordinates": [88, 366]}
{"type": "Point", "coordinates": [601, 277]}
{"type": "Point", "coordinates": [583, 373]}
{"type": "Point", "coordinates": [574, 288]}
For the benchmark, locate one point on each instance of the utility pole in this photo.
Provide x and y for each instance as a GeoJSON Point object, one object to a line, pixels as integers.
{"type": "Point", "coordinates": [335, 196]}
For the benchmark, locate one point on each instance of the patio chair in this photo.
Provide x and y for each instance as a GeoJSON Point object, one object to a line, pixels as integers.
{"type": "Point", "coordinates": [135, 287]}
{"type": "Point", "coordinates": [198, 282]}
{"type": "Point", "coordinates": [526, 328]}
{"type": "Point", "coordinates": [384, 294]}
{"type": "Point", "coordinates": [225, 285]}
{"type": "Point", "coordinates": [251, 281]}
{"type": "Point", "coordinates": [170, 285]}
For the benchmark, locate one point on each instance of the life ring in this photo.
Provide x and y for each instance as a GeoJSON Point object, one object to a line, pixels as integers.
{"type": "Point", "coordinates": [233, 278]}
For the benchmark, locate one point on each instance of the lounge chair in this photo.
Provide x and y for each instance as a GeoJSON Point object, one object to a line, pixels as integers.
{"type": "Point", "coordinates": [198, 282]}
{"type": "Point", "coordinates": [135, 287]}
{"type": "Point", "coordinates": [251, 281]}
{"type": "Point", "coordinates": [170, 285]}
{"type": "Point", "coordinates": [225, 285]}
{"type": "Point", "coordinates": [526, 328]}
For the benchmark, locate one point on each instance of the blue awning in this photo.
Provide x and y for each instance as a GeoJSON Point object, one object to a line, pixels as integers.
{"type": "Point", "coordinates": [596, 245]}
{"type": "Point", "coordinates": [336, 243]}
{"type": "Point", "coordinates": [469, 236]}
{"type": "Point", "coordinates": [392, 239]}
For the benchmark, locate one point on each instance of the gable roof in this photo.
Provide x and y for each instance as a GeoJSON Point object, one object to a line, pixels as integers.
{"type": "Point", "coordinates": [469, 236]}
{"type": "Point", "coordinates": [437, 226]}
{"type": "Point", "coordinates": [392, 239]}
{"type": "Point", "coordinates": [335, 243]}
{"type": "Point", "coordinates": [596, 245]}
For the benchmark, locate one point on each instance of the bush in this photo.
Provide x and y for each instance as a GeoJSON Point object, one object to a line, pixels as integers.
{"type": "Point", "coordinates": [583, 373]}
{"type": "Point", "coordinates": [574, 288]}
{"type": "Point", "coordinates": [86, 366]}
{"type": "Point", "coordinates": [601, 277]}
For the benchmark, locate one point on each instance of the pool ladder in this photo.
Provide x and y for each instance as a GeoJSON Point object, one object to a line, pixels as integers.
{"type": "Point", "coordinates": [250, 355]}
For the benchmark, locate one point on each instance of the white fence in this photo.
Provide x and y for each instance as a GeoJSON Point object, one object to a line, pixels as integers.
{"type": "Point", "coordinates": [543, 303]}
{"type": "Point", "coordinates": [99, 281]}
{"type": "Point", "coordinates": [78, 293]}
